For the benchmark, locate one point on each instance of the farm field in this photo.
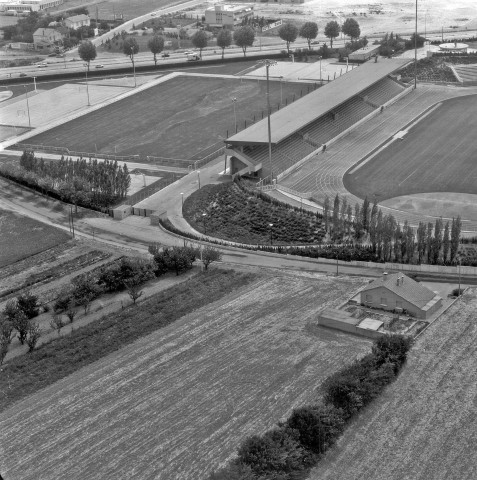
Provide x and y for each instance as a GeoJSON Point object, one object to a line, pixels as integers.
{"type": "Point", "coordinates": [176, 119]}
{"type": "Point", "coordinates": [22, 236]}
{"type": "Point", "coordinates": [437, 155]}
{"type": "Point", "coordinates": [177, 403]}
{"type": "Point", "coordinates": [423, 426]}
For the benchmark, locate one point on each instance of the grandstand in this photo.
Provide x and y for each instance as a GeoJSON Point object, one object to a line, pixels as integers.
{"type": "Point", "coordinates": [465, 74]}
{"type": "Point", "coordinates": [303, 128]}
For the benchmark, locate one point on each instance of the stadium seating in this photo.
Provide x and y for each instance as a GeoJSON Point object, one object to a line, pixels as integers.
{"type": "Point", "coordinates": [382, 91]}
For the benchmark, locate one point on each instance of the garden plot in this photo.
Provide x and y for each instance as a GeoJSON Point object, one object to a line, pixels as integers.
{"type": "Point", "coordinates": [22, 237]}
{"type": "Point", "coordinates": [177, 403]}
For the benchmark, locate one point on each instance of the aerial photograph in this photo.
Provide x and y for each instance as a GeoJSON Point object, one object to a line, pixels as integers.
{"type": "Point", "coordinates": [238, 240]}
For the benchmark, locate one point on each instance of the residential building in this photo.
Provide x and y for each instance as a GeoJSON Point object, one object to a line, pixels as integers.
{"type": "Point", "coordinates": [27, 6]}
{"type": "Point", "coordinates": [227, 15]}
{"type": "Point", "coordinates": [46, 38]}
{"type": "Point", "coordinates": [397, 292]}
{"type": "Point", "coordinates": [77, 21]}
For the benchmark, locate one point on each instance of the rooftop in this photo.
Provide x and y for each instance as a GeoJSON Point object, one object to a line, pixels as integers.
{"type": "Point", "coordinates": [307, 109]}
{"type": "Point", "coordinates": [406, 288]}
{"type": "Point", "coordinates": [78, 18]}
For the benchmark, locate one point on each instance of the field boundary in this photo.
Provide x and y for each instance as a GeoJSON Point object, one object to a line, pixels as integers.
{"type": "Point", "coordinates": [93, 108]}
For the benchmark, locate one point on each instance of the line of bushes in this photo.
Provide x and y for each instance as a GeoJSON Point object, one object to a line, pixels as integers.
{"type": "Point", "coordinates": [289, 450]}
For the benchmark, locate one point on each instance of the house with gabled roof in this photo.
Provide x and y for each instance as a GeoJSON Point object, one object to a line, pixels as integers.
{"type": "Point", "coordinates": [397, 292]}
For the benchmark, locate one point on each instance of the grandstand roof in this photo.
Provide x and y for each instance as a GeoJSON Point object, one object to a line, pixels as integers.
{"type": "Point", "coordinates": [307, 109]}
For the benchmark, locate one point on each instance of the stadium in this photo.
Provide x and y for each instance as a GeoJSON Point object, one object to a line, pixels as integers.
{"type": "Point", "coordinates": [364, 133]}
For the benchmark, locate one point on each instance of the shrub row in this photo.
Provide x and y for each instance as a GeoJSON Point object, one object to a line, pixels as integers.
{"type": "Point", "coordinates": [290, 449]}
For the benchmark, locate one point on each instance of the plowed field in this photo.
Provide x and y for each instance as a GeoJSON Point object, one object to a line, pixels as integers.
{"type": "Point", "coordinates": [424, 426]}
{"type": "Point", "coordinates": [177, 403]}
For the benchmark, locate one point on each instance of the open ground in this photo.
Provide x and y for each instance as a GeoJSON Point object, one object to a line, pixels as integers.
{"type": "Point", "coordinates": [177, 403]}
{"type": "Point", "coordinates": [424, 425]}
{"type": "Point", "coordinates": [176, 119]}
{"type": "Point", "coordinates": [436, 155]}
{"type": "Point", "coordinates": [22, 236]}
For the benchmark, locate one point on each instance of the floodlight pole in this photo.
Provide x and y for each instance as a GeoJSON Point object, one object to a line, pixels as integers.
{"type": "Point", "coordinates": [415, 52]}
{"type": "Point", "coordinates": [28, 105]}
{"type": "Point", "coordinates": [87, 88]}
{"type": "Point", "coordinates": [234, 100]}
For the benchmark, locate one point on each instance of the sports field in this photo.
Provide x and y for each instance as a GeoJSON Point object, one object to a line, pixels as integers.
{"type": "Point", "coordinates": [176, 119]}
{"type": "Point", "coordinates": [177, 403]}
{"type": "Point", "coordinates": [436, 155]}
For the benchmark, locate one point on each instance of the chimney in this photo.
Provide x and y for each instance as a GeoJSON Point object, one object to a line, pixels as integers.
{"type": "Point", "coordinates": [385, 276]}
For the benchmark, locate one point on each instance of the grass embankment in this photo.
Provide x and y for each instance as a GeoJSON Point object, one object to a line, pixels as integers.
{"type": "Point", "coordinates": [52, 361]}
{"type": "Point", "coordinates": [234, 213]}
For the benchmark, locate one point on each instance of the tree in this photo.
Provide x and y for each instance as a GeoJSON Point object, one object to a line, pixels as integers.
{"type": "Point", "coordinates": [446, 243]}
{"type": "Point", "coordinates": [28, 304]}
{"type": "Point", "coordinates": [224, 40]}
{"type": "Point", "coordinates": [332, 30]}
{"type": "Point", "coordinates": [455, 236]}
{"type": "Point", "coordinates": [317, 425]}
{"type": "Point", "coordinates": [156, 45]}
{"type": "Point", "coordinates": [130, 48]}
{"type": "Point", "coordinates": [133, 286]}
{"type": "Point", "coordinates": [34, 333]}
{"type": "Point", "coordinates": [244, 37]}
{"type": "Point", "coordinates": [351, 28]}
{"type": "Point", "coordinates": [288, 32]}
{"type": "Point", "coordinates": [326, 212]}
{"type": "Point", "coordinates": [21, 323]}
{"type": "Point", "coordinates": [87, 52]}
{"type": "Point", "coordinates": [336, 216]}
{"type": "Point", "coordinates": [309, 31]}
{"type": "Point", "coordinates": [71, 310]}
{"type": "Point", "coordinates": [421, 241]}
{"type": "Point", "coordinates": [199, 40]}
{"type": "Point", "coordinates": [56, 323]}
{"type": "Point", "coordinates": [210, 254]}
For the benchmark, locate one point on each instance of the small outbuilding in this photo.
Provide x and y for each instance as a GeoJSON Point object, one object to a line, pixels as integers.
{"type": "Point", "coordinates": [344, 321]}
{"type": "Point", "coordinates": [397, 292]}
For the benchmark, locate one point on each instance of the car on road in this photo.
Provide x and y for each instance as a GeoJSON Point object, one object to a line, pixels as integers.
{"type": "Point", "coordinates": [188, 52]}
{"type": "Point", "coordinates": [42, 65]}
{"type": "Point", "coordinates": [165, 54]}
{"type": "Point", "coordinates": [99, 66]}
{"type": "Point", "coordinates": [23, 74]}
{"type": "Point", "coordinates": [153, 14]}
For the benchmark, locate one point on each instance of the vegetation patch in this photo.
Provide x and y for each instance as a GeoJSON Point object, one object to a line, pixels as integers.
{"type": "Point", "coordinates": [27, 374]}
{"type": "Point", "coordinates": [293, 446]}
{"type": "Point", "coordinates": [22, 237]}
{"type": "Point", "coordinates": [237, 213]}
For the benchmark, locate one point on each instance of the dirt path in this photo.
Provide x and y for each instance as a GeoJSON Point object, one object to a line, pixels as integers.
{"type": "Point", "coordinates": [104, 305]}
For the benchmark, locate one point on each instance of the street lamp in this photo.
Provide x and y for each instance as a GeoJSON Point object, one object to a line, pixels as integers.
{"type": "Point", "coordinates": [204, 216]}
{"type": "Point", "coordinates": [34, 82]}
{"type": "Point", "coordinates": [271, 233]}
{"type": "Point", "coordinates": [281, 90]}
{"type": "Point", "coordinates": [198, 177]}
{"type": "Point", "coordinates": [28, 105]}
{"type": "Point", "coordinates": [415, 52]}
{"type": "Point", "coordinates": [321, 78]}
{"type": "Point", "coordinates": [134, 65]}
{"type": "Point", "coordinates": [268, 64]}
{"type": "Point", "coordinates": [87, 88]}
{"type": "Point", "coordinates": [234, 101]}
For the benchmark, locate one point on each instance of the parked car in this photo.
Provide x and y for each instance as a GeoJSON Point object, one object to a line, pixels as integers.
{"type": "Point", "coordinates": [23, 74]}
{"type": "Point", "coordinates": [165, 54]}
{"type": "Point", "coordinates": [99, 66]}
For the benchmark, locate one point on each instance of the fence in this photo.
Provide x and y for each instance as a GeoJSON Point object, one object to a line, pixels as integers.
{"type": "Point", "coordinates": [66, 151]}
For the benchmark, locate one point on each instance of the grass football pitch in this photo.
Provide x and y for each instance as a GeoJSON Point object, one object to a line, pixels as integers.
{"type": "Point", "coordinates": [176, 119]}
{"type": "Point", "coordinates": [437, 155]}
